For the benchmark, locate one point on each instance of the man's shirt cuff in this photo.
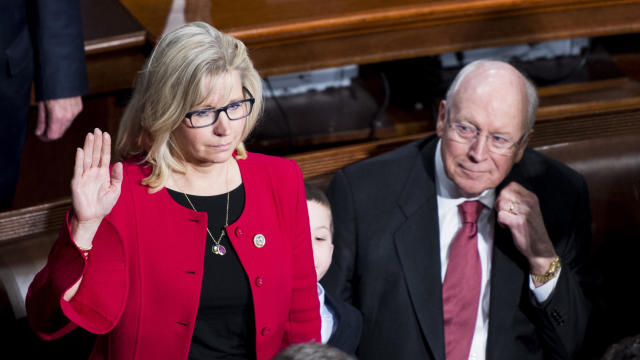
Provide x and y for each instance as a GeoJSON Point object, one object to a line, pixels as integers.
{"type": "Point", "coordinates": [543, 292]}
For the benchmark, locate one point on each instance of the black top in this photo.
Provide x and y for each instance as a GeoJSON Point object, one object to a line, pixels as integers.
{"type": "Point", "coordinates": [225, 324]}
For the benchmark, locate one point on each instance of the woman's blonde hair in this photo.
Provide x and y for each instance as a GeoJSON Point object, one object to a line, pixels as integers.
{"type": "Point", "coordinates": [171, 84]}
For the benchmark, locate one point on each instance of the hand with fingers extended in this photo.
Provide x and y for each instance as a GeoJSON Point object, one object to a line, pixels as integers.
{"type": "Point", "coordinates": [94, 190]}
{"type": "Point", "coordinates": [519, 210]}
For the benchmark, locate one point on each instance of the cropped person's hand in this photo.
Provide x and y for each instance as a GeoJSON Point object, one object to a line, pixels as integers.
{"type": "Point", "coordinates": [55, 116]}
{"type": "Point", "coordinates": [93, 189]}
{"type": "Point", "coordinates": [519, 210]}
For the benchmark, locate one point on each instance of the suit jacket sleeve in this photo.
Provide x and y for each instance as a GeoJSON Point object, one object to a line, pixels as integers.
{"type": "Point", "coordinates": [339, 279]}
{"type": "Point", "coordinates": [564, 316]}
{"type": "Point", "coordinates": [346, 336]}
{"type": "Point", "coordinates": [60, 69]}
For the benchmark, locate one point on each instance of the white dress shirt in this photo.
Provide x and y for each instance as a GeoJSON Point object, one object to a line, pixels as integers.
{"type": "Point", "coordinates": [449, 221]}
{"type": "Point", "coordinates": [326, 315]}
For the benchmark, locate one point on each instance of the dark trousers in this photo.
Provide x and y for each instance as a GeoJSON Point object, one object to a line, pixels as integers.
{"type": "Point", "coordinates": [15, 93]}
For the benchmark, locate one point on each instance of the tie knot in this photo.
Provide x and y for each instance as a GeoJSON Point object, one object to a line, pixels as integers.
{"type": "Point", "coordinates": [470, 211]}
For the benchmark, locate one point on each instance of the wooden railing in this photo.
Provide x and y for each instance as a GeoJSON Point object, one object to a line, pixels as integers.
{"type": "Point", "coordinates": [288, 36]}
{"type": "Point", "coordinates": [319, 166]}
{"type": "Point", "coordinates": [295, 35]}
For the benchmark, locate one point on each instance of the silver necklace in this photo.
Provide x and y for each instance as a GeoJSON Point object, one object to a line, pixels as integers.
{"type": "Point", "coordinates": [216, 248]}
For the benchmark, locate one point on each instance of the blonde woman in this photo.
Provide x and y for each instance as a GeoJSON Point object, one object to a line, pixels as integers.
{"type": "Point", "coordinates": [190, 247]}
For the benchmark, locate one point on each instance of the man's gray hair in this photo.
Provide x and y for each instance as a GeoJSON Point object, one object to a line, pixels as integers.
{"type": "Point", "coordinates": [312, 351]}
{"type": "Point", "coordinates": [532, 94]}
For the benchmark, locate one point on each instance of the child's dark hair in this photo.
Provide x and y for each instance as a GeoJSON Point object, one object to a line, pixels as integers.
{"type": "Point", "coordinates": [315, 194]}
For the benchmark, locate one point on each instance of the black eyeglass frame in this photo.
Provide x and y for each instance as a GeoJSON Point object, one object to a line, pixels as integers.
{"type": "Point", "coordinates": [251, 100]}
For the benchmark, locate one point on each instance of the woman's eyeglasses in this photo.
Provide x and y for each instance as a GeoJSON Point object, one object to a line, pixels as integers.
{"type": "Point", "coordinates": [208, 116]}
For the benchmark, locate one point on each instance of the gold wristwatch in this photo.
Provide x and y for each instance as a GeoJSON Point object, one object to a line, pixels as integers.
{"type": "Point", "coordinates": [550, 274]}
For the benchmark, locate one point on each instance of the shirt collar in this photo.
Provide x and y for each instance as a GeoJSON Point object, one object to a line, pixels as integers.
{"type": "Point", "coordinates": [321, 294]}
{"type": "Point", "coordinates": [447, 189]}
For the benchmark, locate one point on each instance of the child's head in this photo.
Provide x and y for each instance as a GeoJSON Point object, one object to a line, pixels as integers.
{"type": "Point", "coordinates": [321, 225]}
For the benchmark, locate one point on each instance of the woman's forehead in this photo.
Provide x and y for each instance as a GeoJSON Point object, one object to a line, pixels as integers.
{"type": "Point", "coordinates": [219, 89]}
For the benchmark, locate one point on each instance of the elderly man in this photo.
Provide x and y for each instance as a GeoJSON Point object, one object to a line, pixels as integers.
{"type": "Point", "coordinates": [466, 245]}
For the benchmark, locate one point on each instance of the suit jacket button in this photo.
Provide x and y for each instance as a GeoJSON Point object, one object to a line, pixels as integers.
{"type": "Point", "coordinates": [265, 331]}
{"type": "Point", "coordinates": [259, 282]}
{"type": "Point", "coordinates": [239, 232]}
{"type": "Point", "coordinates": [259, 240]}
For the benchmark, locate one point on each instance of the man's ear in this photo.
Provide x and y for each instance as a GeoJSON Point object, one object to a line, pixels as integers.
{"type": "Point", "coordinates": [522, 146]}
{"type": "Point", "coordinates": [442, 118]}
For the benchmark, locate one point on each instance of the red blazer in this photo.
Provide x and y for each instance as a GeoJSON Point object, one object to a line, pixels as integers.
{"type": "Point", "coordinates": [141, 283]}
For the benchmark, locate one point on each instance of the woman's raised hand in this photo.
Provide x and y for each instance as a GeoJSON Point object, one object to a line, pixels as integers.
{"type": "Point", "coordinates": [93, 189]}
{"type": "Point", "coordinates": [94, 193]}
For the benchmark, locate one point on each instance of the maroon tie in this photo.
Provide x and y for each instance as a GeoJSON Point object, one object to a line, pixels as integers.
{"type": "Point", "coordinates": [461, 287]}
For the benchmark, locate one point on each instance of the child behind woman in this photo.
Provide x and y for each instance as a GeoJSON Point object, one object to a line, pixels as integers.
{"type": "Point", "coordinates": [341, 322]}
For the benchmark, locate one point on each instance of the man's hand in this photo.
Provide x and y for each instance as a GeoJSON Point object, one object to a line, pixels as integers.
{"type": "Point", "coordinates": [519, 210]}
{"type": "Point", "coordinates": [55, 116]}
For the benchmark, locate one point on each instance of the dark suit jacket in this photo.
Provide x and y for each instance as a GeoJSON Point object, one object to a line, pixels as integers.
{"type": "Point", "coordinates": [346, 337]}
{"type": "Point", "coordinates": [387, 259]}
{"type": "Point", "coordinates": [42, 37]}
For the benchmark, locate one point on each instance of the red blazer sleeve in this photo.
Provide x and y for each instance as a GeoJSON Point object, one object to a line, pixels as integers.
{"type": "Point", "coordinates": [100, 299]}
{"type": "Point", "coordinates": [304, 319]}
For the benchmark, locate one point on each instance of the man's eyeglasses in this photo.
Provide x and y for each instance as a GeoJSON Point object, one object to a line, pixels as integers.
{"type": "Point", "coordinates": [467, 134]}
{"type": "Point", "coordinates": [208, 116]}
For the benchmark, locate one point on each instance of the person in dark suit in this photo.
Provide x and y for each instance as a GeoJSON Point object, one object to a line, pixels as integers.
{"type": "Point", "coordinates": [40, 40]}
{"type": "Point", "coordinates": [404, 221]}
{"type": "Point", "coordinates": [341, 322]}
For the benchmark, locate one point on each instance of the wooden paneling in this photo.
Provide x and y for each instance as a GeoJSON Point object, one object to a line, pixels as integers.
{"type": "Point", "coordinates": [108, 26]}
{"type": "Point", "coordinates": [289, 35]}
{"type": "Point", "coordinates": [114, 44]}
{"type": "Point", "coordinates": [294, 35]}
{"type": "Point", "coordinates": [562, 101]}
{"type": "Point", "coordinates": [321, 164]}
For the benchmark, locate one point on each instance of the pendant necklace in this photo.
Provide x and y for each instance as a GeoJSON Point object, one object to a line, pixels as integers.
{"type": "Point", "coordinates": [216, 248]}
